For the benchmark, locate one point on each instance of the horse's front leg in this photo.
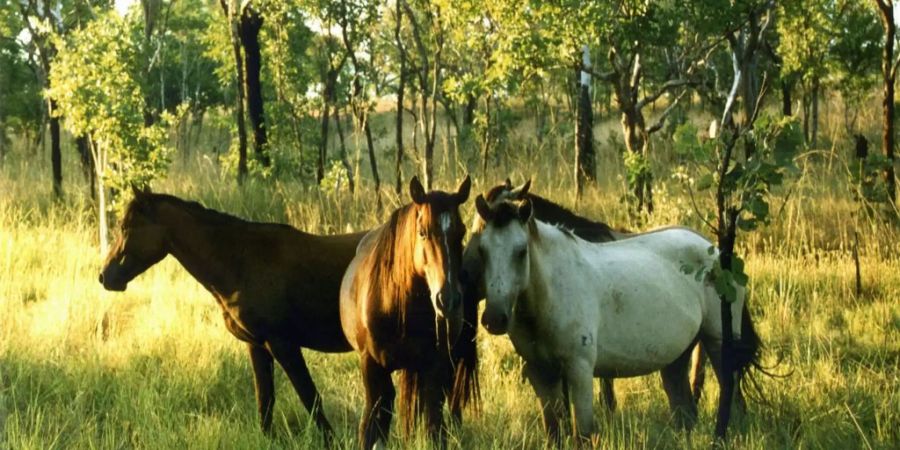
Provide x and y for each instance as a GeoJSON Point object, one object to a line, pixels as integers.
{"type": "Point", "coordinates": [291, 360]}
{"type": "Point", "coordinates": [438, 380]}
{"type": "Point", "coordinates": [263, 368]}
{"type": "Point", "coordinates": [579, 375]}
{"type": "Point", "coordinates": [547, 386]}
{"type": "Point", "coordinates": [376, 421]}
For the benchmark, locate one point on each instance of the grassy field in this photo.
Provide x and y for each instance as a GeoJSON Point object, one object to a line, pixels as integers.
{"type": "Point", "coordinates": [155, 368]}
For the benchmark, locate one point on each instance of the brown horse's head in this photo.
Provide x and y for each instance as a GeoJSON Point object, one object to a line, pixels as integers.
{"type": "Point", "coordinates": [437, 254]}
{"type": "Point", "coordinates": [498, 194]}
{"type": "Point", "coordinates": [141, 244]}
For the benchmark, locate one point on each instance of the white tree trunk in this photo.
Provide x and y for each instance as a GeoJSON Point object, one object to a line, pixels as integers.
{"type": "Point", "coordinates": [99, 152]}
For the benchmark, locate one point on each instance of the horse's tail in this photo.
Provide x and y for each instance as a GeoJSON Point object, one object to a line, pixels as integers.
{"type": "Point", "coordinates": [465, 390]}
{"type": "Point", "coordinates": [747, 351]}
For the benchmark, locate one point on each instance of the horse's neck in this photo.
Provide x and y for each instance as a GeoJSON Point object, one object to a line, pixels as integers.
{"type": "Point", "coordinates": [193, 246]}
{"type": "Point", "coordinates": [544, 252]}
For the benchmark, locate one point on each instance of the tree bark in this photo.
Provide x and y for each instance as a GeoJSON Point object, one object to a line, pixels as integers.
{"type": "Point", "coordinates": [231, 7]}
{"type": "Point", "coordinates": [786, 98]}
{"type": "Point", "coordinates": [344, 161]}
{"type": "Point", "coordinates": [250, 24]}
{"type": "Point", "coordinates": [888, 72]}
{"type": "Point", "coordinates": [585, 158]}
{"type": "Point", "coordinates": [814, 119]}
{"type": "Point", "coordinates": [401, 90]}
{"type": "Point", "coordinates": [55, 150]}
{"type": "Point", "coordinates": [87, 163]}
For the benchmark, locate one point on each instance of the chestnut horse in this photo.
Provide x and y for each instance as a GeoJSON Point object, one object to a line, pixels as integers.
{"type": "Point", "coordinates": [277, 286]}
{"type": "Point", "coordinates": [401, 310]}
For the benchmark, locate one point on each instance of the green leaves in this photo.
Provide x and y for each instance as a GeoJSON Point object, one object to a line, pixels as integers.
{"type": "Point", "coordinates": [95, 83]}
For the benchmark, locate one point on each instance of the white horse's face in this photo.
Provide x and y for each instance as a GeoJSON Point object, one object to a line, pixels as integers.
{"type": "Point", "coordinates": [504, 251]}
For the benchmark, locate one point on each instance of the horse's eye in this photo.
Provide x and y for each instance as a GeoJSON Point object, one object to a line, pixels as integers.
{"type": "Point", "coordinates": [522, 253]}
{"type": "Point", "coordinates": [421, 232]}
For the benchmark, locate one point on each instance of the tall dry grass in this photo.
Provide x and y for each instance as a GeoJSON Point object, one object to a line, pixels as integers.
{"type": "Point", "coordinates": [154, 367]}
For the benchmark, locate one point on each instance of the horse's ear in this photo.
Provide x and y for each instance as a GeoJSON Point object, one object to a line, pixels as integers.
{"type": "Point", "coordinates": [139, 191]}
{"type": "Point", "coordinates": [462, 192]}
{"type": "Point", "coordinates": [522, 191]}
{"type": "Point", "coordinates": [525, 211]}
{"type": "Point", "coordinates": [508, 183]}
{"type": "Point", "coordinates": [416, 191]}
{"type": "Point", "coordinates": [483, 209]}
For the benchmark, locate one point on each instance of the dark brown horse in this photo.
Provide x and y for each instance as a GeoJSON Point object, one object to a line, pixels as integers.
{"type": "Point", "coordinates": [401, 310]}
{"type": "Point", "coordinates": [277, 286]}
{"type": "Point", "coordinates": [550, 212]}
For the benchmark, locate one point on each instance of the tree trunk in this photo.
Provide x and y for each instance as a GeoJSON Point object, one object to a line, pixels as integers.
{"type": "Point", "coordinates": [585, 158]}
{"type": "Point", "coordinates": [637, 142]}
{"type": "Point", "coordinates": [340, 131]}
{"type": "Point", "coordinates": [323, 140]}
{"type": "Point", "coordinates": [888, 71]}
{"type": "Point", "coordinates": [250, 24]}
{"type": "Point", "coordinates": [55, 150]}
{"type": "Point", "coordinates": [87, 163]}
{"type": "Point", "coordinates": [231, 7]}
{"type": "Point", "coordinates": [814, 118]}
{"type": "Point", "coordinates": [401, 90]}
{"type": "Point", "coordinates": [786, 98]}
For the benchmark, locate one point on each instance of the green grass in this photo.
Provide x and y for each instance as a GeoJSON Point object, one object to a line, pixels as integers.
{"type": "Point", "coordinates": [154, 367]}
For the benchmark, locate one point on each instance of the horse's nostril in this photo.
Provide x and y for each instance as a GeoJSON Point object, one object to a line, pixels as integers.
{"type": "Point", "coordinates": [100, 278]}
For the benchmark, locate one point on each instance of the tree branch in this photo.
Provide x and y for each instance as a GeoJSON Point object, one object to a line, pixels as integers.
{"type": "Point", "coordinates": [671, 84]}
{"type": "Point", "coordinates": [660, 121]}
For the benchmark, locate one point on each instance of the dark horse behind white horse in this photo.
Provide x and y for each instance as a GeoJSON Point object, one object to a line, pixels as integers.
{"type": "Point", "coordinates": [575, 309]}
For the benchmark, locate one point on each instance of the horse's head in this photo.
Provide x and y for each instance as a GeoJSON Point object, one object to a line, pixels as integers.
{"type": "Point", "coordinates": [438, 248]}
{"type": "Point", "coordinates": [141, 244]}
{"type": "Point", "coordinates": [503, 249]}
{"type": "Point", "coordinates": [499, 194]}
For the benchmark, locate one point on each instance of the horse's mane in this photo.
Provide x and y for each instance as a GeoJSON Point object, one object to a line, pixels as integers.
{"type": "Point", "coordinates": [564, 219]}
{"type": "Point", "coordinates": [389, 264]}
{"type": "Point", "coordinates": [207, 215]}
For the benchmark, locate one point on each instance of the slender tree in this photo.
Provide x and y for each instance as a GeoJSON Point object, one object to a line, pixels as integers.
{"type": "Point", "coordinates": [889, 76]}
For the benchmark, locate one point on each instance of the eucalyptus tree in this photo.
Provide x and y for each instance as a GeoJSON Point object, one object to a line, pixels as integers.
{"type": "Point", "coordinates": [20, 98]}
{"type": "Point", "coordinates": [889, 63]}
{"type": "Point", "coordinates": [356, 20]}
{"type": "Point", "coordinates": [288, 47]}
{"type": "Point", "coordinates": [741, 186]}
{"type": "Point", "coordinates": [96, 83]}
{"type": "Point", "coordinates": [43, 21]}
{"type": "Point", "coordinates": [854, 55]}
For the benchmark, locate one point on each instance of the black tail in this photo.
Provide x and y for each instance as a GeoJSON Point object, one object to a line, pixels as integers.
{"type": "Point", "coordinates": [747, 353]}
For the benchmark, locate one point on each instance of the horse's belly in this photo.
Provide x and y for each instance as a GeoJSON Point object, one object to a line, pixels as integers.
{"type": "Point", "coordinates": [640, 334]}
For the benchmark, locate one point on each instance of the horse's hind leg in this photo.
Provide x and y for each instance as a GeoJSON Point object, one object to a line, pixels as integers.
{"type": "Point", "coordinates": [263, 368]}
{"type": "Point", "coordinates": [291, 360]}
{"type": "Point", "coordinates": [698, 369]}
{"type": "Point", "coordinates": [608, 394]}
{"type": "Point", "coordinates": [678, 389]}
{"type": "Point", "coordinates": [376, 421]}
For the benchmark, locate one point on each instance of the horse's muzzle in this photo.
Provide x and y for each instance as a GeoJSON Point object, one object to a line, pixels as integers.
{"type": "Point", "coordinates": [110, 285]}
{"type": "Point", "coordinates": [495, 322]}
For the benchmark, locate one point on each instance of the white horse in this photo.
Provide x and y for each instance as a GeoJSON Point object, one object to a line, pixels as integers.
{"type": "Point", "coordinates": [576, 310]}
